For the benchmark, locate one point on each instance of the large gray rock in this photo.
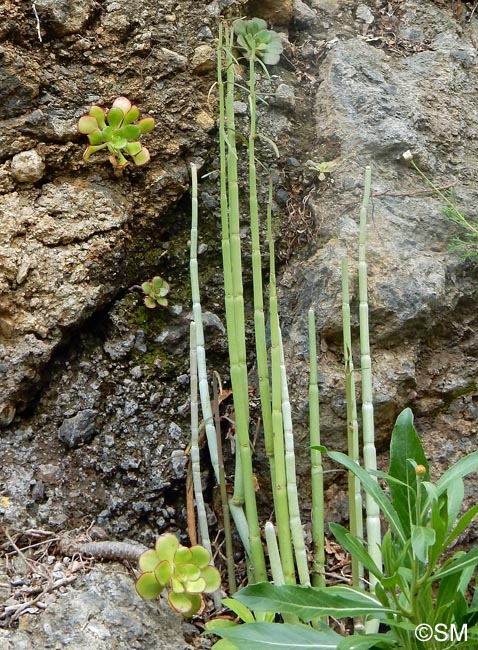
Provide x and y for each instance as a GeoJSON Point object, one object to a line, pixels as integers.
{"type": "Point", "coordinates": [371, 107]}
{"type": "Point", "coordinates": [100, 610]}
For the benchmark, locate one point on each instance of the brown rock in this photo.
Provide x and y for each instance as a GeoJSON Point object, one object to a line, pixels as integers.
{"type": "Point", "coordinates": [278, 13]}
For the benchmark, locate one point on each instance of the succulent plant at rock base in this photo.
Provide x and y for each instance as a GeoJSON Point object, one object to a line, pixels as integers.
{"type": "Point", "coordinates": [255, 39]}
{"type": "Point", "coordinates": [185, 572]}
{"type": "Point", "coordinates": [155, 290]}
{"type": "Point", "coordinates": [118, 131]}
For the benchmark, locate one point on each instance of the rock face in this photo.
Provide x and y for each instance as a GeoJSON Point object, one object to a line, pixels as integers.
{"type": "Point", "coordinates": [94, 402]}
{"type": "Point", "coordinates": [100, 610]}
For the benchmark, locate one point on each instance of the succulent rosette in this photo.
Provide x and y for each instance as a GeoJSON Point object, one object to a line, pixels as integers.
{"type": "Point", "coordinates": [117, 130]}
{"type": "Point", "coordinates": [155, 290]}
{"type": "Point", "coordinates": [184, 571]}
{"type": "Point", "coordinates": [254, 39]}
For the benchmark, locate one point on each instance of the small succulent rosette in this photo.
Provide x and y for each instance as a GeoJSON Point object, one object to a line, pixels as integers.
{"type": "Point", "coordinates": [184, 572]}
{"type": "Point", "coordinates": [118, 131]}
{"type": "Point", "coordinates": [254, 39]}
{"type": "Point", "coordinates": [155, 290]}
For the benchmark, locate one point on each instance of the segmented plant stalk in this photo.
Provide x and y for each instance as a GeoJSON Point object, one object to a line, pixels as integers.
{"type": "Point", "coordinates": [280, 492]}
{"type": "Point", "coordinates": [259, 320]}
{"type": "Point", "coordinates": [226, 519]}
{"type": "Point", "coordinates": [274, 554]}
{"type": "Point", "coordinates": [317, 472]}
{"type": "Point", "coordinates": [237, 336]}
{"type": "Point", "coordinates": [369, 453]}
{"type": "Point", "coordinates": [196, 468]}
{"type": "Point", "coordinates": [355, 495]}
{"type": "Point", "coordinates": [297, 532]}
{"type": "Point", "coordinates": [197, 314]}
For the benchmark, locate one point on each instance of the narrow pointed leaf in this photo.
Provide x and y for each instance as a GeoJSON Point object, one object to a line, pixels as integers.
{"type": "Point", "coordinates": [310, 603]}
{"type": "Point", "coordinates": [239, 609]}
{"type": "Point", "coordinates": [355, 548]}
{"type": "Point", "coordinates": [460, 469]}
{"type": "Point", "coordinates": [459, 563]}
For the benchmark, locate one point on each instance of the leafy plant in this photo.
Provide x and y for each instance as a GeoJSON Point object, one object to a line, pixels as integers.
{"type": "Point", "coordinates": [185, 572]}
{"type": "Point", "coordinates": [322, 168]}
{"type": "Point", "coordinates": [421, 582]}
{"type": "Point", "coordinates": [466, 243]}
{"type": "Point", "coordinates": [155, 290]}
{"type": "Point", "coordinates": [255, 40]}
{"type": "Point", "coordinates": [243, 613]}
{"type": "Point", "coordinates": [118, 131]}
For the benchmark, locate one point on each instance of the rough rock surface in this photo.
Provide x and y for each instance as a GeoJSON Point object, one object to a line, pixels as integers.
{"type": "Point", "coordinates": [76, 243]}
{"type": "Point", "coordinates": [101, 610]}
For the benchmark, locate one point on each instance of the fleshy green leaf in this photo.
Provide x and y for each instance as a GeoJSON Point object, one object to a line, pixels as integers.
{"type": "Point", "coordinates": [96, 137]}
{"type": "Point", "coordinates": [123, 104]}
{"type": "Point", "coordinates": [166, 546]}
{"type": "Point", "coordinates": [200, 556]}
{"type": "Point", "coordinates": [142, 157]}
{"type": "Point", "coordinates": [98, 113]}
{"type": "Point", "coordinates": [190, 571]}
{"type": "Point", "coordinates": [163, 572]}
{"type": "Point", "coordinates": [131, 116]}
{"type": "Point", "coordinates": [87, 124]}
{"type": "Point", "coordinates": [218, 623]}
{"type": "Point", "coordinates": [146, 124]}
{"type": "Point", "coordinates": [114, 117]}
{"type": "Point", "coordinates": [133, 148]}
{"type": "Point", "coordinates": [131, 132]}
{"type": "Point", "coordinates": [91, 150]}
{"type": "Point", "coordinates": [148, 587]}
{"type": "Point", "coordinates": [183, 555]}
{"type": "Point", "coordinates": [146, 287]}
{"type": "Point", "coordinates": [212, 578]}
{"type": "Point", "coordinates": [148, 560]}
{"type": "Point", "coordinates": [195, 586]}
{"type": "Point", "coordinates": [185, 604]}
{"type": "Point", "coordinates": [150, 302]}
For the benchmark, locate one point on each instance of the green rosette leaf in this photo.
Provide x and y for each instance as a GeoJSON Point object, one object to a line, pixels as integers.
{"type": "Point", "coordinates": [212, 577]}
{"type": "Point", "coordinates": [162, 301]}
{"type": "Point", "coordinates": [133, 148]}
{"type": "Point", "coordinates": [176, 585]}
{"type": "Point", "coordinates": [200, 556]}
{"type": "Point", "coordinates": [195, 586]}
{"type": "Point", "coordinates": [87, 124]}
{"type": "Point", "coordinates": [91, 150]}
{"type": "Point", "coordinates": [150, 302]}
{"type": "Point", "coordinates": [142, 157]}
{"type": "Point", "coordinates": [163, 572]}
{"type": "Point", "coordinates": [131, 116]}
{"type": "Point", "coordinates": [166, 546]}
{"type": "Point", "coordinates": [115, 117]}
{"type": "Point", "coordinates": [157, 283]}
{"type": "Point", "coordinates": [148, 560]}
{"type": "Point", "coordinates": [96, 137]}
{"type": "Point", "coordinates": [146, 124]}
{"type": "Point", "coordinates": [146, 287]}
{"type": "Point", "coordinates": [185, 604]}
{"type": "Point", "coordinates": [131, 132]}
{"type": "Point", "coordinates": [148, 587]}
{"type": "Point", "coordinates": [98, 113]}
{"type": "Point", "coordinates": [123, 104]}
{"type": "Point", "coordinates": [183, 555]}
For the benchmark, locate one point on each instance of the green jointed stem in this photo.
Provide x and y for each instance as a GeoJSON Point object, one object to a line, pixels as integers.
{"type": "Point", "coordinates": [317, 472]}
{"type": "Point", "coordinates": [296, 530]}
{"type": "Point", "coordinates": [355, 495]}
{"type": "Point", "coordinates": [259, 320]}
{"type": "Point", "coordinates": [237, 337]}
{"type": "Point", "coordinates": [280, 492]}
{"type": "Point", "coordinates": [274, 555]}
{"type": "Point", "coordinates": [197, 314]}
{"type": "Point", "coordinates": [226, 519]}
{"type": "Point", "coordinates": [369, 453]}
{"type": "Point", "coordinates": [196, 468]}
